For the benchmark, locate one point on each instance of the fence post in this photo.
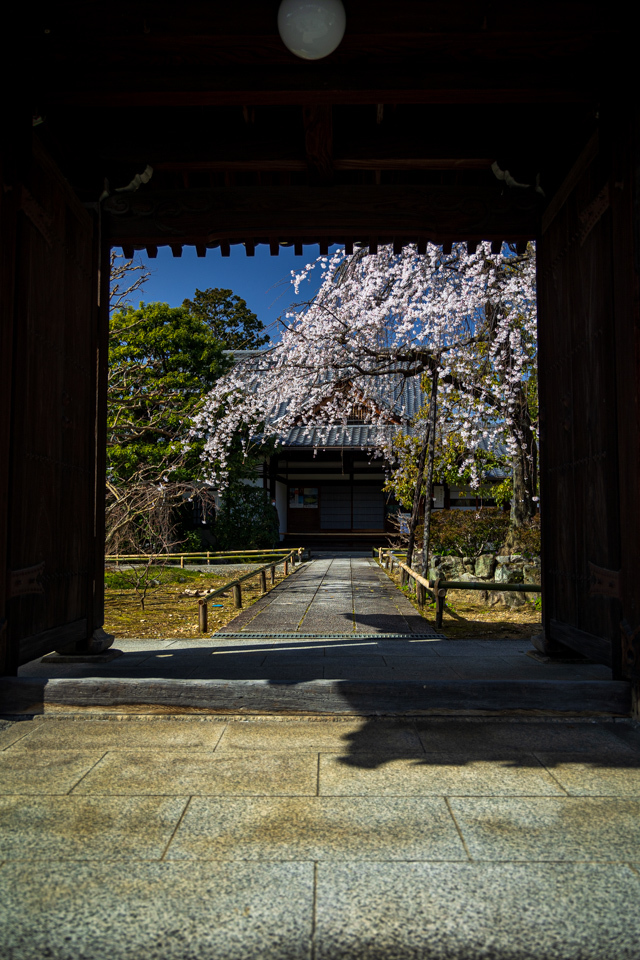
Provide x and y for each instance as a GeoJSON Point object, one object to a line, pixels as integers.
{"type": "Point", "coordinates": [286, 568]}
{"type": "Point", "coordinates": [420, 593]}
{"type": "Point", "coordinates": [202, 616]}
{"type": "Point", "coordinates": [208, 557]}
{"type": "Point", "coordinates": [440, 593]}
{"type": "Point", "coordinates": [293, 561]}
{"type": "Point", "coordinates": [237, 596]}
{"type": "Point", "coordinates": [263, 581]}
{"type": "Point", "coordinates": [182, 562]}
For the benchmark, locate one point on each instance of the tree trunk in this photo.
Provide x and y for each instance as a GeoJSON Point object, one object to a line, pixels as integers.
{"type": "Point", "coordinates": [525, 470]}
{"type": "Point", "coordinates": [433, 405]}
{"type": "Point", "coordinates": [415, 509]}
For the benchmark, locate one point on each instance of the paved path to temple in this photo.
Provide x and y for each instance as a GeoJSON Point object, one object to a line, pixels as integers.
{"type": "Point", "coordinates": [338, 619]}
{"type": "Point", "coordinates": [339, 596]}
{"type": "Point", "coordinates": [221, 838]}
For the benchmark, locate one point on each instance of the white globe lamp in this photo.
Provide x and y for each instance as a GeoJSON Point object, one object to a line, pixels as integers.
{"type": "Point", "coordinates": [311, 29]}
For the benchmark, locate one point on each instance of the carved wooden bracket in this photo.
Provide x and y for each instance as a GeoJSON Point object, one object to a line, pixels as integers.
{"type": "Point", "coordinates": [26, 581]}
{"type": "Point", "coordinates": [32, 209]}
{"type": "Point", "coordinates": [592, 213]}
{"type": "Point", "coordinates": [604, 583]}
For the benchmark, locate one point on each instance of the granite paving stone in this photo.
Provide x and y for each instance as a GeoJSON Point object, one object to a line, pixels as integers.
{"type": "Point", "coordinates": [434, 775]}
{"type": "Point", "coordinates": [199, 733]}
{"type": "Point", "coordinates": [470, 911]}
{"type": "Point", "coordinates": [174, 773]}
{"type": "Point", "coordinates": [455, 735]}
{"type": "Point", "coordinates": [546, 828]}
{"type": "Point", "coordinates": [324, 735]}
{"type": "Point", "coordinates": [24, 771]}
{"type": "Point", "coordinates": [318, 828]}
{"type": "Point", "coordinates": [12, 732]}
{"type": "Point", "coordinates": [612, 774]}
{"type": "Point", "coordinates": [87, 828]}
{"type": "Point", "coordinates": [157, 911]}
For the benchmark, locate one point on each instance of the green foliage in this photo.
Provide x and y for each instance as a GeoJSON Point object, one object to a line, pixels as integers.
{"type": "Point", "coordinates": [503, 493]}
{"type": "Point", "coordinates": [463, 533]}
{"type": "Point", "coordinates": [228, 318]}
{"type": "Point", "coordinates": [162, 361]}
{"type": "Point", "coordinates": [246, 520]}
{"type": "Point", "coordinates": [526, 539]}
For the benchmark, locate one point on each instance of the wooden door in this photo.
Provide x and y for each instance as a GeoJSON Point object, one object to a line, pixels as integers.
{"type": "Point", "coordinates": [50, 470]}
{"type": "Point", "coordinates": [589, 430]}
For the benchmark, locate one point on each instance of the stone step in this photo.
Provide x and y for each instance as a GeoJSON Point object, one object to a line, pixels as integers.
{"type": "Point", "coordinates": [33, 696]}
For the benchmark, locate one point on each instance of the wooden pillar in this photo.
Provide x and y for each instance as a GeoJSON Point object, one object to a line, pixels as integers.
{"type": "Point", "coordinates": [263, 581]}
{"type": "Point", "coordinates": [202, 616]}
{"type": "Point", "coordinates": [272, 571]}
{"type": "Point", "coordinates": [440, 593]}
{"type": "Point", "coordinates": [237, 596]}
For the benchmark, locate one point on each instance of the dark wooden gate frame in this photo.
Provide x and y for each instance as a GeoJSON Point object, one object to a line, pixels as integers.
{"type": "Point", "coordinates": [586, 228]}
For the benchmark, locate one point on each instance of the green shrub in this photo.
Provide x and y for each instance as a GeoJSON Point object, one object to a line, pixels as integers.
{"type": "Point", "coordinates": [464, 533]}
{"type": "Point", "coordinates": [246, 520]}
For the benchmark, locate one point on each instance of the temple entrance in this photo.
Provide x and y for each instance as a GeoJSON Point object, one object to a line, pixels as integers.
{"type": "Point", "coordinates": [110, 146]}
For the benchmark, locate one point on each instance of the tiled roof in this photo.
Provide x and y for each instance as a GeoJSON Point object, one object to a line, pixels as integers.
{"type": "Point", "coordinates": [352, 435]}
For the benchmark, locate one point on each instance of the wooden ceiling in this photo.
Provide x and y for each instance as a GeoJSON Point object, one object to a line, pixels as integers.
{"type": "Point", "coordinates": [391, 138]}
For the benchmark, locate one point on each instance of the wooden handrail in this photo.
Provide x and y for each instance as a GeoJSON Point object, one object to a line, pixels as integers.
{"type": "Point", "coordinates": [437, 589]}
{"type": "Point", "coordinates": [237, 590]}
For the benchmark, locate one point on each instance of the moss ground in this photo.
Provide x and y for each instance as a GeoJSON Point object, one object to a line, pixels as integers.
{"type": "Point", "coordinates": [167, 613]}
{"type": "Point", "coordinates": [466, 616]}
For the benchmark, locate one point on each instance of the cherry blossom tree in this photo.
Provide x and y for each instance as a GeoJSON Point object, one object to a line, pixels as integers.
{"type": "Point", "coordinates": [464, 322]}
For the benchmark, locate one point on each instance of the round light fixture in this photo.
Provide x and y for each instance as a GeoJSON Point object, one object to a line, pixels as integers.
{"type": "Point", "coordinates": [311, 29]}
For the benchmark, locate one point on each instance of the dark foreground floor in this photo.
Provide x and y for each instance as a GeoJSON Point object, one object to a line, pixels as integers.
{"type": "Point", "coordinates": [325, 839]}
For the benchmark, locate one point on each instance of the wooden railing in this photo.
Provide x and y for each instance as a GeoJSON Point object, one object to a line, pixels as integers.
{"type": "Point", "coordinates": [208, 556]}
{"type": "Point", "coordinates": [292, 557]}
{"type": "Point", "coordinates": [437, 589]}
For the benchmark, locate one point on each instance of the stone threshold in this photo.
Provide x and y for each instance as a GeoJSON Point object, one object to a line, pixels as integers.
{"type": "Point", "coordinates": [561, 698]}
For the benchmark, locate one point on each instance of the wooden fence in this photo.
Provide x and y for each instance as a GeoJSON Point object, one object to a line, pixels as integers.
{"type": "Point", "coordinates": [292, 557]}
{"type": "Point", "coordinates": [199, 556]}
{"type": "Point", "coordinates": [436, 590]}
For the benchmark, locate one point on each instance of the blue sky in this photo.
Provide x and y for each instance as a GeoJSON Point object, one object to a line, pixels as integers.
{"type": "Point", "coordinates": [262, 280]}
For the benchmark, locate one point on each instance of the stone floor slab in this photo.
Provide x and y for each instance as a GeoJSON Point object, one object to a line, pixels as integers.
{"type": "Point", "coordinates": [415, 911]}
{"type": "Point", "coordinates": [307, 736]}
{"type": "Point", "coordinates": [174, 773]}
{"type": "Point", "coordinates": [157, 911]}
{"type": "Point", "coordinates": [434, 775]}
{"type": "Point", "coordinates": [24, 771]}
{"type": "Point", "coordinates": [87, 828]}
{"type": "Point", "coordinates": [545, 828]}
{"type": "Point", "coordinates": [456, 735]}
{"type": "Point", "coordinates": [611, 774]}
{"type": "Point", "coordinates": [318, 828]}
{"type": "Point", "coordinates": [171, 733]}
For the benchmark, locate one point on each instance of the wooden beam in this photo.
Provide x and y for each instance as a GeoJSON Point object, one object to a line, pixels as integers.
{"type": "Point", "coordinates": [311, 214]}
{"type": "Point", "coordinates": [318, 141]}
{"type": "Point", "coordinates": [561, 195]}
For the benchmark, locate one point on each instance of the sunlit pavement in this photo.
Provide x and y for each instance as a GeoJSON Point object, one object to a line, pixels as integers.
{"type": "Point", "coordinates": [283, 838]}
{"type": "Point", "coordinates": [210, 837]}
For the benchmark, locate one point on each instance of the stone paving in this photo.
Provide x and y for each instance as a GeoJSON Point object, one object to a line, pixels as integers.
{"type": "Point", "coordinates": [203, 838]}
{"type": "Point", "coordinates": [333, 596]}
{"type": "Point", "coordinates": [327, 621]}
{"type": "Point", "coordinates": [347, 838]}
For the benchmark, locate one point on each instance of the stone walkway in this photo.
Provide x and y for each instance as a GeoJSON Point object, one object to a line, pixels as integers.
{"type": "Point", "coordinates": [330, 620]}
{"type": "Point", "coordinates": [333, 597]}
{"type": "Point", "coordinates": [274, 837]}
{"type": "Point", "coordinates": [205, 838]}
